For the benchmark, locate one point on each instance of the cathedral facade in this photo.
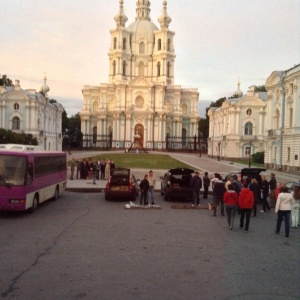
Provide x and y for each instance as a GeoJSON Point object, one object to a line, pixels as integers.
{"type": "Point", "coordinates": [140, 98]}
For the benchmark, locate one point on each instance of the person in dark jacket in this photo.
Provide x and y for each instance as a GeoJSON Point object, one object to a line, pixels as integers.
{"type": "Point", "coordinates": [144, 186]}
{"type": "Point", "coordinates": [265, 193]}
{"type": "Point", "coordinates": [246, 201]}
{"type": "Point", "coordinates": [196, 185]}
{"type": "Point", "coordinates": [255, 188]}
{"type": "Point", "coordinates": [272, 185]}
{"type": "Point", "coordinates": [218, 192]}
{"type": "Point", "coordinates": [206, 184]}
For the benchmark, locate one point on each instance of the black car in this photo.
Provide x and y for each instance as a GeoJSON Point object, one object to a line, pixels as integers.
{"type": "Point", "coordinates": [252, 173]}
{"type": "Point", "coordinates": [122, 184]}
{"type": "Point", "coordinates": [175, 184]}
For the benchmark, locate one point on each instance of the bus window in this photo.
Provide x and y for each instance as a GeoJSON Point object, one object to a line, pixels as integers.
{"type": "Point", "coordinates": [13, 169]}
{"type": "Point", "coordinates": [29, 174]}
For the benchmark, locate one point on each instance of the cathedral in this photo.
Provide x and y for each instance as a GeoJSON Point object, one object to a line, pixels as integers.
{"type": "Point", "coordinates": [140, 98]}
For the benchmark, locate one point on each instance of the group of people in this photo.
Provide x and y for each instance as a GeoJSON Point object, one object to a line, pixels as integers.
{"type": "Point", "coordinates": [86, 168]}
{"type": "Point", "coordinates": [235, 196]}
{"type": "Point", "coordinates": [147, 186]}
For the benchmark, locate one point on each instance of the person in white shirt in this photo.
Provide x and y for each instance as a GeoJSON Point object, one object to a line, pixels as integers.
{"type": "Point", "coordinates": [151, 180]}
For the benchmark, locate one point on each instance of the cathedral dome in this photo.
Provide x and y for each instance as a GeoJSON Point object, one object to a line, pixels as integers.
{"type": "Point", "coordinates": [142, 30]}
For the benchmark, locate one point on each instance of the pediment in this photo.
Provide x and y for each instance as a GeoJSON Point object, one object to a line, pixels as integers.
{"type": "Point", "coordinates": [274, 78]}
{"type": "Point", "coordinates": [141, 81]}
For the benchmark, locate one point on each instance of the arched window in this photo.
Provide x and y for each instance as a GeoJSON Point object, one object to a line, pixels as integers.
{"type": "Point", "coordinates": [277, 119]}
{"type": "Point", "coordinates": [248, 128]}
{"type": "Point", "coordinates": [124, 43]}
{"type": "Point", "coordinates": [290, 117]}
{"type": "Point", "coordinates": [124, 68]}
{"type": "Point", "coordinates": [115, 43]}
{"type": "Point", "coordinates": [184, 109]}
{"type": "Point", "coordinates": [142, 48]}
{"type": "Point", "coordinates": [158, 69]}
{"type": "Point", "coordinates": [168, 69]}
{"type": "Point", "coordinates": [16, 123]}
{"type": "Point", "coordinates": [141, 69]}
{"type": "Point", "coordinates": [169, 45]}
{"type": "Point", "coordinates": [16, 106]}
{"type": "Point", "coordinates": [159, 44]}
{"type": "Point", "coordinates": [95, 106]}
{"type": "Point", "coordinates": [168, 106]}
{"type": "Point", "coordinates": [114, 68]}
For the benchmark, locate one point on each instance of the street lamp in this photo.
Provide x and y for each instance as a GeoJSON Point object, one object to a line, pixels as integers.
{"type": "Point", "coordinates": [250, 155]}
{"type": "Point", "coordinates": [200, 142]}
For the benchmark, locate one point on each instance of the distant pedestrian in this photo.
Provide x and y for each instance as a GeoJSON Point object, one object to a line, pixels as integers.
{"type": "Point", "coordinates": [246, 202]}
{"type": "Point", "coordinates": [144, 186]}
{"type": "Point", "coordinates": [78, 168]}
{"type": "Point", "coordinates": [273, 185]}
{"type": "Point", "coordinates": [152, 182]}
{"type": "Point", "coordinates": [112, 166]}
{"type": "Point", "coordinates": [229, 181]}
{"type": "Point", "coordinates": [206, 184]}
{"type": "Point", "coordinates": [107, 169]}
{"type": "Point", "coordinates": [265, 193]}
{"type": "Point", "coordinates": [218, 192]}
{"type": "Point", "coordinates": [196, 185]}
{"type": "Point", "coordinates": [283, 210]}
{"type": "Point", "coordinates": [278, 190]}
{"type": "Point", "coordinates": [72, 169]}
{"type": "Point", "coordinates": [102, 169]}
{"type": "Point", "coordinates": [237, 185]}
{"type": "Point", "coordinates": [231, 200]}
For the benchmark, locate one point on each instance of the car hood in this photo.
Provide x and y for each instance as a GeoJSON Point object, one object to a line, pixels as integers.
{"type": "Point", "coordinates": [181, 171]}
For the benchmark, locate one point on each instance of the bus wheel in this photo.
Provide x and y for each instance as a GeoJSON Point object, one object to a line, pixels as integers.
{"type": "Point", "coordinates": [35, 204]}
{"type": "Point", "coordinates": [56, 194]}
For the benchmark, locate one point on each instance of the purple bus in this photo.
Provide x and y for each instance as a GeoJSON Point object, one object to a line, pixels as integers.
{"type": "Point", "coordinates": [28, 178]}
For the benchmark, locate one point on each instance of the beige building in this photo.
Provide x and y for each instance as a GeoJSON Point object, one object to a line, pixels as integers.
{"type": "Point", "coordinates": [140, 98]}
{"type": "Point", "coordinates": [237, 128]}
{"type": "Point", "coordinates": [31, 112]}
{"type": "Point", "coordinates": [282, 149]}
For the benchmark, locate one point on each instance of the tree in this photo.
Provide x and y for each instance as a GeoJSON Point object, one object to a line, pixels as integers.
{"type": "Point", "coordinates": [4, 80]}
{"type": "Point", "coordinates": [260, 88]}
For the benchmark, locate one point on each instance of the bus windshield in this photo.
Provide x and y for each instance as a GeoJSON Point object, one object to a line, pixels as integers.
{"type": "Point", "coordinates": [12, 170]}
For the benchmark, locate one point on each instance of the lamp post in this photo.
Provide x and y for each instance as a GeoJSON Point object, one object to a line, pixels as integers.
{"type": "Point", "coordinates": [200, 143]}
{"type": "Point", "coordinates": [250, 155]}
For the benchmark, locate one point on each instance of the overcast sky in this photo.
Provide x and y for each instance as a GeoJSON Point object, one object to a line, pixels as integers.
{"type": "Point", "coordinates": [216, 42]}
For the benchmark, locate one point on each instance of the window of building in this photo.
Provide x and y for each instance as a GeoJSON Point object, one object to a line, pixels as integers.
{"type": "Point", "coordinates": [16, 123]}
{"type": "Point", "coordinates": [158, 69]}
{"type": "Point", "coordinates": [95, 106]}
{"type": "Point", "coordinates": [142, 48]}
{"type": "Point", "coordinates": [114, 68]}
{"type": "Point", "coordinates": [169, 45]}
{"type": "Point", "coordinates": [288, 152]}
{"type": "Point", "coordinates": [291, 89]}
{"type": "Point", "coordinates": [115, 43]}
{"type": "Point", "coordinates": [141, 69]}
{"type": "Point", "coordinates": [277, 119]}
{"type": "Point", "coordinates": [168, 69]}
{"type": "Point", "coordinates": [248, 128]}
{"type": "Point", "coordinates": [159, 44]}
{"type": "Point", "coordinates": [16, 106]}
{"type": "Point", "coordinates": [290, 117]}
{"type": "Point", "coordinates": [247, 150]}
{"type": "Point", "coordinates": [184, 109]}
{"type": "Point", "coordinates": [124, 68]}
{"type": "Point", "coordinates": [124, 43]}
{"type": "Point", "coordinates": [249, 111]}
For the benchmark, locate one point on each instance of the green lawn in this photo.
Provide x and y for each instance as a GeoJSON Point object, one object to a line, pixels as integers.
{"type": "Point", "coordinates": [142, 161]}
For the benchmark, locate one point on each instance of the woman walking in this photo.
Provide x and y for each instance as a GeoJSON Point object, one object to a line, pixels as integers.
{"type": "Point", "coordinates": [246, 202]}
{"type": "Point", "coordinates": [283, 210]}
{"type": "Point", "coordinates": [295, 206]}
{"type": "Point", "coordinates": [231, 200]}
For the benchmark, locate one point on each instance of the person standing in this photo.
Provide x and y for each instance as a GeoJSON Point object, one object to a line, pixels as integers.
{"type": "Point", "coordinates": [206, 184]}
{"type": "Point", "coordinates": [107, 169]}
{"type": "Point", "coordinates": [254, 187]}
{"type": "Point", "coordinates": [102, 169]}
{"type": "Point", "coordinates": [72, 169]}
{"type": "Point", "coordinates": [229, 181]}
{"type": "Point", "coordinates": [218, 192]}
{"type": "Point", "coordinates": [112, 166]}
{"type": "Point", "coordinates": [144, 186]}
{"type": "Point", "coordinates": [196, 185]}
{"type": "Point", "coordinates": [246, 202]}
{"type": "Point", "coordinates": [265, 193]}
{"type": "Point", "coordinates": [273, 185]}
{"type": "Point", "coordinates": [78, 169]}
{"type": "Point", "coordinates": [152, 182]}
{"type": "Point", "coordinates": [283, 210]}
{"type": "Point", "coordinates": [231, 200]}
{"type": "Point", "coordinates": [295, 210]}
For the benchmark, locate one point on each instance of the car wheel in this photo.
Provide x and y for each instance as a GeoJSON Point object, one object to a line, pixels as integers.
{"type": "Point", "coordinates": [35, 204]}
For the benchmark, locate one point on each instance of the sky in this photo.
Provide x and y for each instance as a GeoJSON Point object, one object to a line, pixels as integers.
{"type": "Point", "coordinates": [217, 43]}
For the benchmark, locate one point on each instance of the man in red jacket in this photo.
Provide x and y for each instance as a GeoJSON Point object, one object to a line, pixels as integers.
{"type": "Point", "coordinates": [246, 202]}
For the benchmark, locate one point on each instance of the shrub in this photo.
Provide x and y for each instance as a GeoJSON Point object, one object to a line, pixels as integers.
{"type": "Point", "coordinates": [258, 157]}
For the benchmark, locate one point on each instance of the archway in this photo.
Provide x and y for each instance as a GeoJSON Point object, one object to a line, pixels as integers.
{"type": "Point", "coordinates": [139, 129]}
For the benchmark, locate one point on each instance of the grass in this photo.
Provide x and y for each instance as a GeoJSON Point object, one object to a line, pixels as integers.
{"type": "Point", "coordinates": [142, 161]}
{"type": "Point", "coordinates": [253, 164]}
